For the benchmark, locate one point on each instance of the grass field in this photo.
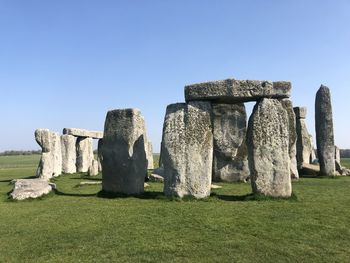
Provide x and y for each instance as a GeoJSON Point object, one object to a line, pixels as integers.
{"type": "Point", "coordinates": [76, 224]}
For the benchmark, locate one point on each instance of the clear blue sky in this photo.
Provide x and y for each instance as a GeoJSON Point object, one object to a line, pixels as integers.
{"type": "Point", "coordinates": [66, 63]}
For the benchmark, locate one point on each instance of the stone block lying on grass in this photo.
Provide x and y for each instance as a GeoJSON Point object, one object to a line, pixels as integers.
{"type": "Point", "coordinates": [31, 188]}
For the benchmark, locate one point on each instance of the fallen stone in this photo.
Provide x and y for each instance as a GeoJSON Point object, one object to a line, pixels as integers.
{"type": "Point", "coordinates": [288, 106]}
{"type": "Point", "coordinates": [145, 185]}
{"type": "Point", "coordinates": [159, 171]}
{"type": "Point", "coordinates": [237, 91]}
{"type": "Point", "coordinates": [214, 186]}
{"type": "Point", "coordinates": [156, 178]}
{"type": "Point", "coordinates": [324, 131]}
{"type": "Point", "coordinates": [187, 150]}
{"type": "Point", "coordinates": [90, 183]}
{"type": "Point", "coordinates": [69, 154]}
{"type": "Point", "coordinates": [85, 154]}
{"type": "Point", "coordinates": [83, 133]}
{"type": "Point", "coordinates": [230, 161]}
{"type": "Point", "coordinates": [268, 149]}
{"type": "Point", "coordinates": [31, 188]}
{"type": "Point", "coordinates": [310, 169]}
{"type": "Point", "coordinates": [93, 169]}
{"type": "Point", "coordinates": [124, 163]}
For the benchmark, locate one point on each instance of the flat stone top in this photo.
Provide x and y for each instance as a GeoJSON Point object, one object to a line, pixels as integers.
{"type": "Point", "coordinates": [235, 91]}
{"type": "Point", "coordinates": [300, 112]}
{"type": "Point", "coordinates": [83, 133]}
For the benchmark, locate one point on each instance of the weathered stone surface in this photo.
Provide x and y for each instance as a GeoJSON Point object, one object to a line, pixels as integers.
{"type": "Point", "coordinates": [338, 166]}
{"type": "Point", "coordinates": [149, 154]}
{"type": "Point", "coordinates": [93, 169]}
{"type": "Point", "coordinates": [124, 163]}
{"type": "Point", "coordinates": [99, 154]}
{"type": "Point", "coordinates": [31, 188]}
{"type": "Point", "coordinates": [230, 161]}
{"type": "Point", "coordinates": [51, 159]}
{"type": "Point", "coordinates": [288, 106]}
{"type": "Point", "coordinates": [69, 154]}
{"type": "Point", "coordinates": [300, 112]}
{"type": "Point", "coordinates": [324, 131]}
{"type": "Point", "coordinates": [159, 171]}
{"type": "Point", "coordinates": [310, 169]}
{"type": "Point", "coordinates": [304, 141]}
{"type": "Point", "coordinates": [187, 150]}
{"type": "Point", "coordinates": [237, 91]}
{"type": "Point", "coordinates": [85, 154]}
{"type": "Point", "coordinates": [83, 133]}
{"type": "Point", "coordinates": [268, 149]}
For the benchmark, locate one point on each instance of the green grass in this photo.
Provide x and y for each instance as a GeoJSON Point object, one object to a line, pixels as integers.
{"type": "Point", "coordinates": [345, 162]}
{"type": "Point", "coordinates": [75, 224]}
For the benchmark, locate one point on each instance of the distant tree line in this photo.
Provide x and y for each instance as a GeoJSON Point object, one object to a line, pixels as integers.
{"type": "Point", "coordinates": [344, 153]}
{"type": "Point", "coordinates": [10, 153]}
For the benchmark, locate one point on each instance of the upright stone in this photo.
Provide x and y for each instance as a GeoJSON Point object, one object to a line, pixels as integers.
{"type": "Point", "coordinates": [230, 160]}
{"type": "Point", "coordinates": [268, 149]}
{"type": "Point", "coordinates": [338, 166]}
{"type": "Point", "coordinates": [149, 152]}
{"type": "Point", "coordinates": [304, 142]}
{"type": "Point", "coordinates": [85, 154]}
{"type": "Point", "coordinates": [124, 163]}
{"type": "Point", "coordinates": [51, 159]}
{"type": "Point", "coordinates": [99, 154]}
{"type": "Point", "coordinates": [187, 150]}
{"type": "Point", "coordinates": [324, 131]}
{"type": "Point", "coordinates": [288, 106]}
{"type": "Point", "coordinates": [69, 154]}
{"type": "Point", "coordinates": [93, 169]}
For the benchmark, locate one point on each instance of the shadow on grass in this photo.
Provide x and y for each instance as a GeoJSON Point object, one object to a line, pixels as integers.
{"type": "Point", "coordinates": [58, 192]}
{"type": "Point", "coordinates": [253, 197]}
{"type": "Point", "coordinates": [145, 195]}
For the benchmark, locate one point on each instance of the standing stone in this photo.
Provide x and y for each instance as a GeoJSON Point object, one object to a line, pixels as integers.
{"type": "Point", "coordinates": [93, 169]}
{"type": "Point", "coordinates": [187, 149]}
{"type": "Point", "coordinates": [338, 166]}
{"type": "Point", "coordinates": [304, 141]}
{"type": "Point", "coordinates": [230, 160]}
{"type": "Point", "coordinates": [149, 152]}
{"type": "Point", "coordinates": [124, 163]}
{"type": "Point", "coordinates": [99, 154]}
{"type": "Point", "coordinates": [324, 131]}
{"type": "Point", "coordinates": [51, 159]}
{"type": "Point", "coordinates": [69, 154]}
{"type": "Point", "coordinates": [85, 154]}
{"type": "Point", "coordinates": [268, 149]}
{"type": "Point", "coordinates": [288, 106]}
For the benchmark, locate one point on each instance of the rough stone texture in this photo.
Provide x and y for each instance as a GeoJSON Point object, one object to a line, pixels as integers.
{"type": "Point", "coordinates": [230, 160]}
{"type": "Point", "coordinates": [268, 149]}
{"type": "Point", "coordinates": [69, 154]}
{"type": "Point", "coordinates": [31, 188]}
{"type": "Point", "coordinates": [288, 106]}
{"type": "Point", "coordinates": [300, 112]}
{"type": "Point", "coordinates": [149, 154]}
{"type": "Point", "coordinates": [83, 133]}
{"type": "Point", "coordinates": [85, 154]}
{"type": "Point", "coordinates": [51, 158]}
{"type": "Point", "coordinates": [159, 171]}
{"type": "Point", "coordinates": [187, 150]}
{"type": "Point", "coordinates": [310, 169]}
{"type": "Point", "coordinates": [338, 166]}
{"type": "Point", "coordinates": [304, 142]}
{"type": "Point", "coordinates": [93, 169]}
{"type": "Point", "coordinates": [124, 163]}
{"type": "Point", "coordinates": [237, 91]}
{"type": "Point", "coordinates": [324, 131]}
{"type": "Point", "coordinates": [99, 154]}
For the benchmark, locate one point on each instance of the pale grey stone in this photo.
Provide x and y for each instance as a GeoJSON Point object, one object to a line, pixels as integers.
{"type": "Point", "coordinates": [213, 186]}
{"type": "Point", "coordinates": [149, 151]}
{"type": "Point", "coordinates": [99, 154]}
{"type": "Point", "coordinates": [83, 133]}
{"type": "Point", "coordinates": [338, 166]}
{"type": "Point", "coordinates": [230, 161]}
{"type": "Point", "coordinates": [85, 154]}
{"type": "Point", "coordinates": [156, 178]}
{"type": "Point", "coordinates": [237, 91]}
{"type": "Point", "coordinates": [124, 163]}
{"type": "Point", "coordinates": [50, 164]}
{"type": "Point", "coordinates": [187, 150]}
{"type": "Point", "coordinates": [324, 131]}
{"type": "Point", "coordinates": [288, 106]}
{"type": "Point", "coordinates": [31, 188]}
{"type": "Point", "coordinates": [300, 112]}
{"type": "Point", "coordinates": [69, 154]}
{"type": "Point", "coordinates": [310, 169]}
{"type": "Point", "coordinates": [304, 141]}
{"type": "Point", "coordinates": [93, 169]}
{"type": "Point", "coordinates": [268, 149]}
